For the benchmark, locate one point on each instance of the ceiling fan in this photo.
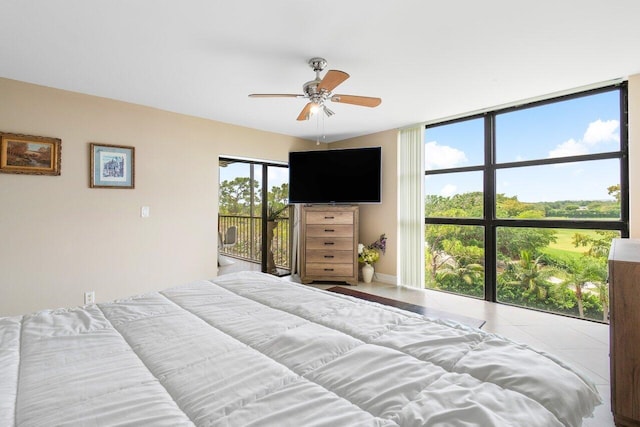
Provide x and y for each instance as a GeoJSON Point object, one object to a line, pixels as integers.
{"type": "Point", "coordinates": [319, 90]}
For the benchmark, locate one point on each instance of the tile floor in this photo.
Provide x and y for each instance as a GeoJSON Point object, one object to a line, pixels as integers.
{"type": "Point", "coordinates": [581, 343]}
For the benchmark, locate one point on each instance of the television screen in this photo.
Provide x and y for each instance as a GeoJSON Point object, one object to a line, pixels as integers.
{"type": "Point", "coordinates": [335, 176]}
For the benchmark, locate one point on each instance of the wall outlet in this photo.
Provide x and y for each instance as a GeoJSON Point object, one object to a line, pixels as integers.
{"type": "Point", "coordinates": [89, 297]}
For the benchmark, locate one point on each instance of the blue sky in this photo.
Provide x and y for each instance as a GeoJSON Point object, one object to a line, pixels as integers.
{"type": "Point", "coordinates": [577, 126]}
{"type": "Point", "coordinates": [276, 175]}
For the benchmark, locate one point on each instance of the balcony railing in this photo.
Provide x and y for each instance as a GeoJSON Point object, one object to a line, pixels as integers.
{"type": "Point", "coordinates": [248, 245]}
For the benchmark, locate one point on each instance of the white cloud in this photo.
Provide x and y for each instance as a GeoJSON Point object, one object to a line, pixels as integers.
{"type": "Point", "coordinates": [600, 131]}
{"type": "Point", "coordinates": [597, 132]}
{"type": "Point", "coordinates": [448, 190]}
{"type": "Point", "coordinates": [442, 156]}
{"type": "Point", "coordinates": [569, 148]}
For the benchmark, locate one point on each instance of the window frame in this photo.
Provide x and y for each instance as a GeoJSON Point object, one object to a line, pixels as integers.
{"type": "Point", "coordinates": [490, 168]}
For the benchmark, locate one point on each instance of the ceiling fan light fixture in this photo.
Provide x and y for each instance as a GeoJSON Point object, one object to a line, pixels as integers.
{"type": "Point", "coordinates": [314, 108]}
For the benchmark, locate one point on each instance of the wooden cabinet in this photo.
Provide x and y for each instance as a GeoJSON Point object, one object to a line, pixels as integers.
{"type": "Point", "coordinates": [329, 249]}
{"type": "Point", "coordinates": [624, 318]}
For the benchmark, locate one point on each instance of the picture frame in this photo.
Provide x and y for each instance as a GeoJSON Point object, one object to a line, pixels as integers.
{"type": "Point", "coordinates": [30, 155]}
{"type": "Point", "coordinates": [112, 166]}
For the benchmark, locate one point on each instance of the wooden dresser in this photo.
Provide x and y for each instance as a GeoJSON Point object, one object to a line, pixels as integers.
{"type": "Point", "coordinates": [329, 244]}
{"type": "Point", "coordinates": [624, 318]}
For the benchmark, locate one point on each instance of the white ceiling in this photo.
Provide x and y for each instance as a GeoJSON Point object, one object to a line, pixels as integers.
{"type": "Point", "coordinates": [426, 59]}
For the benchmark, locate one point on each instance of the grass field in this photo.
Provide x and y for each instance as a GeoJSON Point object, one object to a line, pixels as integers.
{"type": "Point", "coordinates": [564, 238]}
{"type": "Point", "coordinates": [563, 248]}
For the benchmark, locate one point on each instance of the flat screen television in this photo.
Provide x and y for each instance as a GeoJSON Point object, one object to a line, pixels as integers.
{"type": "Point", "coordinates": [345, 176]}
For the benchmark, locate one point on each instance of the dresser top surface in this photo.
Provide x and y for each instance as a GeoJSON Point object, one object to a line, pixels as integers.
{"type": "Point", "coordinates": [626, 250]}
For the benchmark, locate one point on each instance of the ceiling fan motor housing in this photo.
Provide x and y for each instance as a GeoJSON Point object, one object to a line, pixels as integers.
{"type": "Point", "coordinates": [318, 96]}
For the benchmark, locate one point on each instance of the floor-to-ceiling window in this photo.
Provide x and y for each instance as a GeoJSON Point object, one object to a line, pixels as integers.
{"type": "Point", "coordinates": [521, 204]}
{"type": "Point", "coordinates": [262, 230]}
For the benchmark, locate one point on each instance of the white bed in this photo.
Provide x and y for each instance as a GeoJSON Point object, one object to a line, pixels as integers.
{"type": "Point", "coordinates": [251, 349]}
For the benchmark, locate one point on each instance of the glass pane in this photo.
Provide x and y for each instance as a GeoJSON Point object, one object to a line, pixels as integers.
{"type": "Point", "coordinates": [239, 207]}
{"type": "Point", "coordinates": [278, 194]}
{"type": "Point", "coordinates": [581, 190]}
{"type": "Point", "coordinates": [556, 270]}
{"type": "Point", "coordinates": [578, 126]}
{"type": "Point", "coordinates": [454, 195]}
{"type": "Point", "coordinates": [235, 188]}
{"type": "Point", "coordinates": [278, 215]}
{"type": "Point", "coordinates": [454, 145]}
{"type": "Point", "coordinates": [454, 258]}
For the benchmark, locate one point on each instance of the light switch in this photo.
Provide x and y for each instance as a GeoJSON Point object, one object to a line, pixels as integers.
{"type": "Point", "coordinates": [144, 212]}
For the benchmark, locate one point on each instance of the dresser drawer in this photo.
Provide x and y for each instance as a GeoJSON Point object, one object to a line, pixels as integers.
{"type": "Point", "coordinates": [329, 230]}
{"type": "Point", "coordinates": [320, 270]}
{"type": "Point", "coordinates": [329, 256]}
{"type": "Point", "coordinates": [321, 217]}
{"type": "Point", "coordinates": [333, 243]}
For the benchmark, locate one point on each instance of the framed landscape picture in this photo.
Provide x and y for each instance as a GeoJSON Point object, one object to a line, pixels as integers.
{"type": "Point", "coordinates": [33, 155]}
{"type": "Point", "coordinates": [112, 166]}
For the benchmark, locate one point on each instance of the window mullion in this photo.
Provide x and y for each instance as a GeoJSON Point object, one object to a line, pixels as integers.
{"type": "Point", "coordinates": [489, 209]}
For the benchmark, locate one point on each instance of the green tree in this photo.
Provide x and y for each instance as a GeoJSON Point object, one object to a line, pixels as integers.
{"type": "Point", "coordinates": [278, 198]}
{"type": "Point", "coordinates": [584, 270]}
{"type": "Point", "coordinates": [510, 207]}
{"type": "Point", "coordinates": [597, 247]}
{"type": "Point", "coordinates": [614, 191]}
{"type": "Point", "coordinates": [531, 214]}
{"type": "Point", "coordinates": [466, 205]}
{"type": "Point", "coordinates": [235, 196]}
{"type": "Point", "coordinates": [529, 273]}
{"type": "Point", "coordinates": [464, 271]}
{"type": "Point", "coordinates": [441, 238]}
{"type": "Point", "coordinates": [513, 240]}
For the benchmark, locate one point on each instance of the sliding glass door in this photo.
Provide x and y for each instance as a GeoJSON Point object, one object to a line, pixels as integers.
{"type": "Point", "coordinates": [261, 230]}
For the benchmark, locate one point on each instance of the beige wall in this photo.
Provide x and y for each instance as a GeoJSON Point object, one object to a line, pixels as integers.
{"type": "Point", "coordinates": [376, 219]}
{"type": "Point", "coordinates": [59, 238]}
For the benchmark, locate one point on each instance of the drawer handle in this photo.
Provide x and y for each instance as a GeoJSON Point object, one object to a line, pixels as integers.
{"type": "Point", "coordinates": [328, 256]}
{"type": "Point", "coordinates": [329, 217]}
{"type": "Point", "coordinates": [328, 230]}
{"type": "Point", "coordinates": [328, 269]}
{"type": "Point", "coordinates": [329, 243]}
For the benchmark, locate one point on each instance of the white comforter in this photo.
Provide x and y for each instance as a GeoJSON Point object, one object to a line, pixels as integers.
{"type": "Point", "coordinates": [251, 349]}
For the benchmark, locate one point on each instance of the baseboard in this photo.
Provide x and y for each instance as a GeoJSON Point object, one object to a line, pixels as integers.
{"type": "Point", "coordinates": [385, 278]}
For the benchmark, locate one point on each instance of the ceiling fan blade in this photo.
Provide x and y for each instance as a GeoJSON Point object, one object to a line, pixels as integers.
{"type": "Point", "coordinates": [275, 95]}
{"type": "Point", "coordinates": [332, 79]}
{"type": "Point", "coordinates": [364, 101]}
{"type": "Point", "coordinates": [306, 112]}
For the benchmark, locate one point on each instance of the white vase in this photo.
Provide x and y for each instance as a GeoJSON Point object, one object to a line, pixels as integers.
{"type": "Point", "coordinates": [367, 273]}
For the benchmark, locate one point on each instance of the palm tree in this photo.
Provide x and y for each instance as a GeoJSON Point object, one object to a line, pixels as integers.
{"type": "Point", "coordinates": [465, 276]}
{"type": "Point", "coordinates": [465, 273]}
{"type": "Point", "coordinates": [598, 251]}
{"type": "Point", "coordinates": [530, 273]}
{"type": "Point", "coordinates": [585, 270]}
